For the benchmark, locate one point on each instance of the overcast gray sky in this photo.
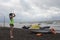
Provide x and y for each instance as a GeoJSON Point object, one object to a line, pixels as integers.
{"type": "Point", "coordinates": [30, 10]}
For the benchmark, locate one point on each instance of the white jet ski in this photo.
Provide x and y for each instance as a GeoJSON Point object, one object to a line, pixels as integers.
{"type": "Point", "coordinates": [42, 29]}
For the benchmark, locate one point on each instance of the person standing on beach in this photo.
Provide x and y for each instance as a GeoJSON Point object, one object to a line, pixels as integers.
{"type": "Point", "coordinates": [11, 15]}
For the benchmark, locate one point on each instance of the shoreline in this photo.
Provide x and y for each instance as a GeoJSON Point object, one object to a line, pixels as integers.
{"type": "Point", "coordinates": [20, 34]}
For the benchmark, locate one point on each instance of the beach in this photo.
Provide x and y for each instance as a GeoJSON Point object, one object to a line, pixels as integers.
{"type": "Point", "coordinates": [21, 34]}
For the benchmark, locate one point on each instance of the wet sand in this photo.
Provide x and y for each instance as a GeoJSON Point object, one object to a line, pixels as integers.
{"type": "Point", "coordinates": [20, 34]}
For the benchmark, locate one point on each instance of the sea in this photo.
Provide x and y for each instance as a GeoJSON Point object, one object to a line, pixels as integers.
{"type": "Point", "coordinates": [20, 25]}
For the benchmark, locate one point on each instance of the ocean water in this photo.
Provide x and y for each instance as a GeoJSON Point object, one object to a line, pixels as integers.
{"type": "Point", "coordinates": [20, 25]}
{"type": "Point", "coordinates": [16, 25]}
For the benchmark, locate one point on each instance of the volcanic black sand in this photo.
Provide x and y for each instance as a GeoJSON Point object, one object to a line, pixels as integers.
{"type": "Point", "coordinates": [20, 34]}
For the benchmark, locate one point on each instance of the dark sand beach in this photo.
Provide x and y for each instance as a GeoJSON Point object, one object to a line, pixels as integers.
{"type": "Point", "coordinates": [20, 34]}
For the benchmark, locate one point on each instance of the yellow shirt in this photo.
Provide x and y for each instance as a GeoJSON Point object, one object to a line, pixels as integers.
{"type": "Point", "coordinates": [35, 26]}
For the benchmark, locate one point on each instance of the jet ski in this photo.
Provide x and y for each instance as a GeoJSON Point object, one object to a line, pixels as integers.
{"type": "Point", "coordinates": [41, 30]}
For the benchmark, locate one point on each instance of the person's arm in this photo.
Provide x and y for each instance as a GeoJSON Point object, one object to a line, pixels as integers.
{"type": "Point", "coordinates": [14, 15]}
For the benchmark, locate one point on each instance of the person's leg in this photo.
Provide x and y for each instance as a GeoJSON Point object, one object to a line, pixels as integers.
{"type": "Point", "coordinates": [11, 30]}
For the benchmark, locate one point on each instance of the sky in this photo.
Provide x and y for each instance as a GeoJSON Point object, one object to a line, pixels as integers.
{"type": "Point", "coordinates": [30, 10]}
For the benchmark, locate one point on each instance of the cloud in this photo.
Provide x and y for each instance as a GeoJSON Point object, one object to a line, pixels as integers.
{"type": "Point", "coordinates": [31, 10]}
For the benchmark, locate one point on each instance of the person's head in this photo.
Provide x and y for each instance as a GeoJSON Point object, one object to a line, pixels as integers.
{"type": "Point", "coordinates": [11, 14]}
